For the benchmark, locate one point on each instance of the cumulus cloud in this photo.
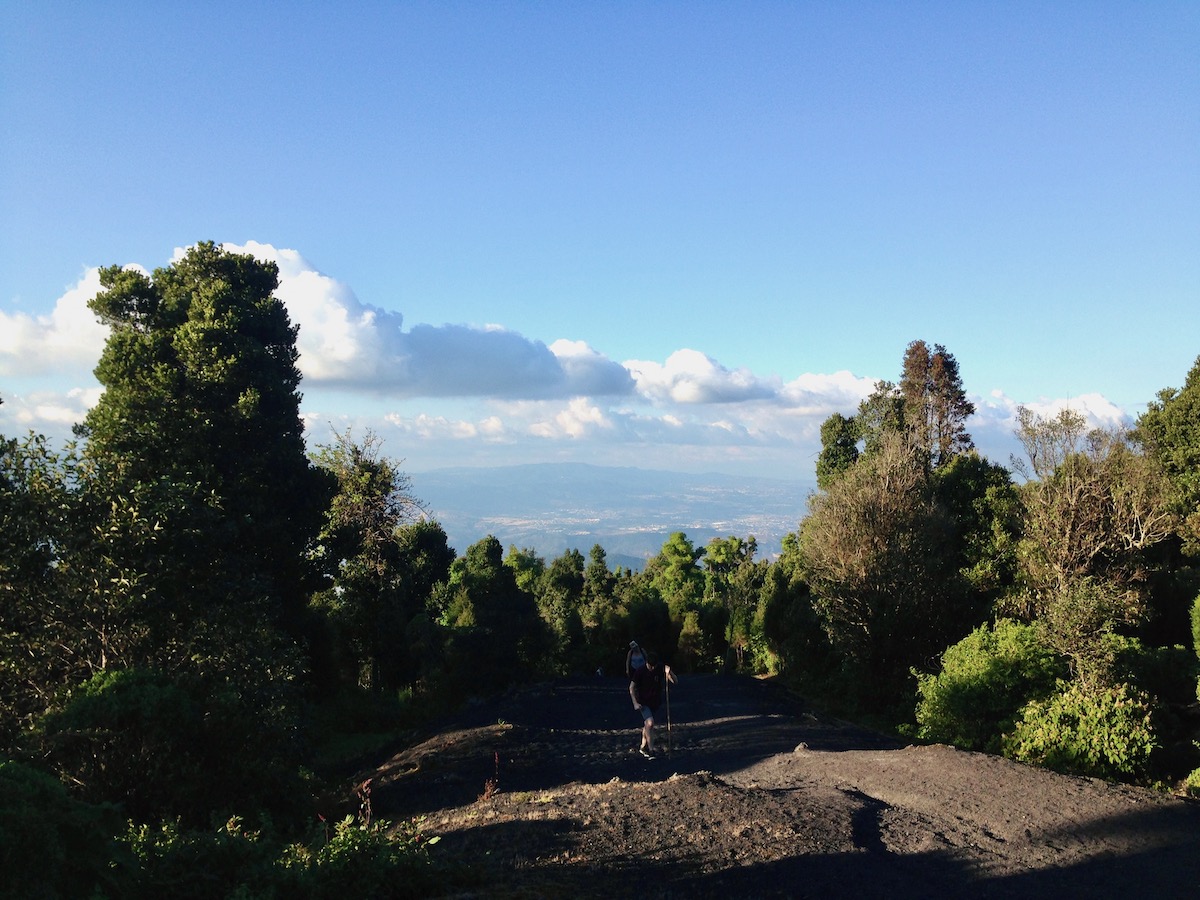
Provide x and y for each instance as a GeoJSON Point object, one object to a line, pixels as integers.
{"type": "Point", "coordinates": [346, 343]}
{"type": "Point", "coordinates": [47, 412]}
{"type": "Point", "coordinates": [825, 394]}
{"type": "Point", "coordinates": [441, 428]}
{"type": "Point", "coordinates": [69, 337]}
{"type": "Point", "coordinates": [994, 424]}
{"type": "Point", "coordinates": [579, 419]}
{"type": "Point", "coordinates": [1000, 411]}
{"type": "Point", "coordinates": [689, 376]}
{"type": "Point", "coordinates": [495, 395]}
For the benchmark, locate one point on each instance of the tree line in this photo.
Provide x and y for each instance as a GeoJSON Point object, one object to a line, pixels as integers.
{"type": "Point", "coordinates": [196, 612]}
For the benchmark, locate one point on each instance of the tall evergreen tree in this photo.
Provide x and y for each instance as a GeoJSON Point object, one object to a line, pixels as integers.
{"type": "Point", "coordinates": [201, 389]}
{"type": "Point", "coordinates": [935, 405]}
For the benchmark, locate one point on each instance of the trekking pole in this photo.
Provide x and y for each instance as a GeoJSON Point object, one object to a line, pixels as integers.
{"type": "Point", "coordinates": [667, 681]}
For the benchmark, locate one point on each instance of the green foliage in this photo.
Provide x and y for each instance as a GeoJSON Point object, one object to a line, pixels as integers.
{"type": "Point", "coordinates": [1170, 430]}
{"type": "Point", "coordinates": [1191, 784]}
{"type": "Point", "coordinates": [201, 382]}
{"type": "Point", "coordinates": [881, 413]}
{"type": "Point", "coordinates": [196, 864]}
{"type": "Point", "coordinates": [1168, 674]}
{"type": "Point", "coordinates": [676, 574]}
{"type": "Point", "coordinates": [646, 618]}
{"type": "Point", "coordinates": [839, 448]}
{"type": "Point", "coordinates": [1094, 507]}
{"type": "Point", "coordinates": [371, 596]}
{"type": "Point", "coordinates": [984, 510]}
{"type": "Point", "coordinates": [528, 568]}
{"type": "Point", "coordinates": [1078, 624]}
{"type": "Point", "coordinates": [54, 846]}
{"type": "Point", "coordinates": [1106, 733]}
{"type": "Point", "coordinates": [733, 582]}
{"type": "Point", "coordinates": [1195, 620]}
{"type": "Point", "coordinates": [351, 859]}
{"type": "Point", "coordinates": [559, 592]}
{"type": "Point", "coordinates": [935, 405]}
{"type": "Point", "coordinates": [877, 551]}
{"type": "Point", "coordinates": [361, 859]}
{"type": "Point", "coordinates": [985, 680]}
{"type": "Point", "coordinates": [497, 636]}
{"type": "Point", "coordinates": [690, 653]}
{"type": "Point", "coordinates": [597, 579]}
{"type": "Point", "coordinates": [174, 746]}
{"type": "Point", "coordinates": [796, 644]}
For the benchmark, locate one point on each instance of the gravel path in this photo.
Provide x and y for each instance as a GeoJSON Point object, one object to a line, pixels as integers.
{"type": "Point", "coordinates": [542, 790]}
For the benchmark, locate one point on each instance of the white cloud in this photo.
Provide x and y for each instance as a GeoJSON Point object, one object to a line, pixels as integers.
{"type": "Point", "coordinates": [347, 343]}
{"type": "Point", "coordinates": [69, 337]}
{"type": "Point", "coordinates": [47, 412]}
{"type": "Point", "coordinates": [578, 419]}
{"type": "Point", "coordinates": [827, 394]}
{"type": "Point", "coordinates": [689, 376]}
{"type": "Point", "coordinates": [483, 395]}
{"type": "Point", "coordinates": [439, 428]}
{"type": "Point", "coordinates": [994, 424]}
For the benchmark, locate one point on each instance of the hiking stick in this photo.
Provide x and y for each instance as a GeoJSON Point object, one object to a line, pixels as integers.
{"type": "Point", "coordinates": [667, 681]}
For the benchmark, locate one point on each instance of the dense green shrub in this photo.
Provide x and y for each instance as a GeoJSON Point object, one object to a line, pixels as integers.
{"type": "Point", "coordinates": [52, 845]}
{"type": "Point", "coordinates": [1168, 674]}
{"type": "Point", "coordinates": [353, 858]}
{"type": "Point", "coordinates": [360, 859]}
{"type": "Point", "coordinates": [1104, 733]}
{"type": "Point", "coordinates": [1195, 617]}
{"type": "Point", "coordinates": [986, 679]}
{"type": "Point", "coordinates": [190, 864]}
{"type": "Point", "coordinates": [166, 746]}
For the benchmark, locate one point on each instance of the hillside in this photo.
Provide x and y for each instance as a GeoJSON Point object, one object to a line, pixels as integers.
{"type": "Point", "coordinates": [761, 798]}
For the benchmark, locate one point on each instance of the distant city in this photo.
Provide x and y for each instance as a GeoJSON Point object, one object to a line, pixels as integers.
{"type": "Point", "coordinates": [553, 507]}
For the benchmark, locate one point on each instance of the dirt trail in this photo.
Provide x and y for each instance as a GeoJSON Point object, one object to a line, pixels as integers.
{"type": "Point", "coordinates": [761, 798]}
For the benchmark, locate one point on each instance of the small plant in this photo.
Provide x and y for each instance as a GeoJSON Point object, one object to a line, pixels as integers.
{"type": "Point", "coordinates": [492, 784]}
{"type": "Point", "coordinates": [363, 792]}
{"type": "Point", "coordinates": [1191, 784]}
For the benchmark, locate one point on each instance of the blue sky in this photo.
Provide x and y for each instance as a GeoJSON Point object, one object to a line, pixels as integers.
{"type": "Point", "coordinates": [658, 234]}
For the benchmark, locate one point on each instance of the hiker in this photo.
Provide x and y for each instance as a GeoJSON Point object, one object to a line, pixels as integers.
{"type": "Point", "coordinates": [645, 689]}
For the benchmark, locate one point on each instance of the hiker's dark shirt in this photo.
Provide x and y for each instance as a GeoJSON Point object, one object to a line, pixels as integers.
{"type": "Point", "coordinates": [648, 686]}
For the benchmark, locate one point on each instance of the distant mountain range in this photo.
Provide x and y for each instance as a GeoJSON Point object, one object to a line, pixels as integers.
{"type": "Point", "coordinates": [552, 507]}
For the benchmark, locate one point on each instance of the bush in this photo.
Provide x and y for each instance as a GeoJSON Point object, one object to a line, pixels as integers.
{"type": "Point", "coordinates": [1195, 617]}
{"type": "Point", "coordinates": [52, 845]}
{"type": "Point", "coordinates": [167, 746]}
{"type": "Point", "coordinates": [186, 864]}
{"type": "Point", "coordinates": [1166, 673]}
{"type": "Point", "coordinates": [1106, 733]}
{"type": "Point", "coordinates": [1191, 784]}
{"type": "Point", "coordinates": [986, 679]}
{"type": "Point", "coordinates": [352, 859]}
{"type": "Point", "coordinates": [360, 859]}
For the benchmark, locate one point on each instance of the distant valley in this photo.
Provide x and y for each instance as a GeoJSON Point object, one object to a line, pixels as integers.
{"type": "Point", "coordinates": [552, 507]}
